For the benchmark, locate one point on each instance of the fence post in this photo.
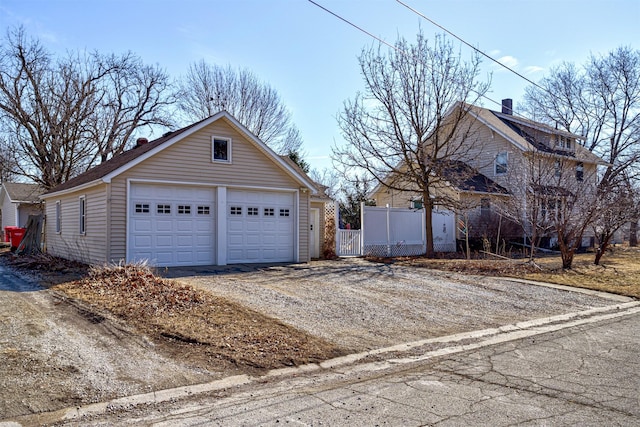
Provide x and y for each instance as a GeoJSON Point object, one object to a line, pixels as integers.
{"type": "Point", "coordinates": [388, 230]}
{"type": "Point", "coordinates": [362, 205]}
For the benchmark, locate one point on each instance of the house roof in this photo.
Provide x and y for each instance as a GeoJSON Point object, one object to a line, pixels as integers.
{"type": "Point", "coordinates": [520, 132]}
{"type": "Point", "coordinates": [23, 192]}
{"type": "Point", "coordinates": [122, 162]}
{"type": "Point", "coordinates": [465, 178]}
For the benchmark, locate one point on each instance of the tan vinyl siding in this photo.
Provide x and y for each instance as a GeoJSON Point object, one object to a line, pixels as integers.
{"type": "Point", "coordinates": [190, 161]}
{"type": "Point", "coordinates": [69, 243]}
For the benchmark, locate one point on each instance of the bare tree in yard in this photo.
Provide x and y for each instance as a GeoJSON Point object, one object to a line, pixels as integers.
{"type": "Point", "coordinates": [615, 208]}
{"type": "Point", "coordinates": [133, 95]}
{"type": "Point", "coordinates": [601, 101]}
{"type": "Point", "coordinates": [208, 89]}
{"type": "Point", "coordinates": [554, 200]}
{"type": "Point", "coordinates": [412, 120]}
{"type": "Point", "coordinates": [60, 115]}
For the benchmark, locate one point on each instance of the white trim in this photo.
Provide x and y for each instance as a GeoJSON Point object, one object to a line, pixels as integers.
{"type": "Point", "coordinates": [296, 231]}
{"type": "Point", "coordinates": [229, 141]}
{"type": "Point", "coordinates": [73, 189]}
{"type": "Point", "coordinates": [506, 164]}
{"type": "Point", "coordinates": [223, 114]}
{"type": "Point", "coordinates": [82, 215]}
{"type": "Point", "coordinates": [221, 226]}
{"type": "Point", "coordinates": [58, 219]}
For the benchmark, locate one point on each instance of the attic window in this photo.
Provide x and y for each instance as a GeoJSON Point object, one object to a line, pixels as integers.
{"type": "Point", "coordinates": [501, 163]}
{"type": "Point", "coordinates": [221, 149]}
{"type": "Point", "coordinates": [564, 142]}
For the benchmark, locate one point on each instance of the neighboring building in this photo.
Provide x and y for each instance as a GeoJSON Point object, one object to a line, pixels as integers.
{"type": "Point", "coordinates": [18, 201]}
{"type": "Point", "coordinates": [208, 194]}
{"type": "Point", "coordinates": [499, 160]}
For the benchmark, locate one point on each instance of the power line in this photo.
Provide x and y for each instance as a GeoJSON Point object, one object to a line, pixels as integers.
{"type": "Point", "coordinates": [472, 47]}
{"type": "Point", "coordinates": [382, 41]}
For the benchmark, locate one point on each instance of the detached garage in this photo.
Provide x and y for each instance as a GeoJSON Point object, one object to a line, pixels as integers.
{"type": "Point", "coordinates": [208, 194]}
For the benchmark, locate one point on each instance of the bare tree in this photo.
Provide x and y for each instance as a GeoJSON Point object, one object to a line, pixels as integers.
{"type": "Point", "coordinates": [412, 120]}
{"type": "Point", "coordinates": [601, 101]}
{"type": "Point", "coordinates": [553, 199]}
{"type": "Point", "coordinates": [132, 95]}
{"type": "Point", "coordinates": [59, 115]}
{"type": "Point", "coordinates": [207, 89]}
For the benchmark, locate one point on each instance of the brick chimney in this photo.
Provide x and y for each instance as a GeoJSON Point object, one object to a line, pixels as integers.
{"type": "Point", "coordinates": [507, 106]}
{"type": "Point", "coordinates": [141, 141]}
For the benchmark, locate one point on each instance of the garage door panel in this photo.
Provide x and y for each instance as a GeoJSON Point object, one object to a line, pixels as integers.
{"type": "Point", "coordinates": [172, 224]}
{"type": "Point", "coordinates": [254, 230]}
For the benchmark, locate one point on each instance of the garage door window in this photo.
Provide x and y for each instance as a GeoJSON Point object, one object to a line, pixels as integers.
{"type": "Point", "coordinates": [142, 208]}
{"type": "Point", "coordinates": [252, 211]}
{"type": "Point", "coordinates": [269, 212]}
{"type": "Point", "coordinates": [163, 209]}
{"type": "Point", "coordinates": [204, 210]}
{"type": "Point", "coordinates": [184, 209]}
{"type": "Point", "coordinates": [236, 210]}
{"type": "Point", "coordinates": [284, 212]}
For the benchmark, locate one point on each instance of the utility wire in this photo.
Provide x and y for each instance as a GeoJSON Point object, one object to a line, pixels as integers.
{"type": "Point", "coordinates": [392, 46]}
{"type": "Point", "coordinates": [473, 47]}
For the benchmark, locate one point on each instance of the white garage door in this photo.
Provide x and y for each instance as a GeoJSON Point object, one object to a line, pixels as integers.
{"type": "Point", "coordinates": [260, 226]}
{"type": "Point", "coordinates": [171, 225]}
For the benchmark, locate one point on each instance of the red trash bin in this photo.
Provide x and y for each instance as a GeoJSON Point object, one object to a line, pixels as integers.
{"type": "Point", "coordinates": [7, 232]}
{"type": "Point", "coordinates": [16, 236]}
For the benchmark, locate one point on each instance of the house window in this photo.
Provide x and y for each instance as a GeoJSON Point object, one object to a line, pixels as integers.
{"type": "Point", "coordinates": [163, 209]}
{"type": "Point", "coordinates": [269, 212]}
{"type": "Point", "coordinates": [235, 210]}
{"type": "Point", "coordinates": [184, 209]}
{"type": "Point", "coordinates": [580, 171]}
{"type": "Point", "coordinates": [252, 211]}
{"type": "Point", "coordinates": [558, 168]}
{"type": "Point", "coordinates": [501, 163]}
{"type": "Point", "coordinates": [58, 217]}
{"type": "Point", "coordinates": [83, 214]}
{"type": "Point", "coordinates": [204, 210]}
{"type": "Point", "coordinates": [142, 208]}
{"type": "Point", "coordinates": [221, 149]}
{"type": "Point", "coordinates": [284, 212]}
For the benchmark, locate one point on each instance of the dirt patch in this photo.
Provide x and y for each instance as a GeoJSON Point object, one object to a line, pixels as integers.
{"type": "Point", "coordinates": [210, 329]}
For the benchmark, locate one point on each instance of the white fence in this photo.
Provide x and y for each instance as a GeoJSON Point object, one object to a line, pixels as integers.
{"type": "Point", "coordinates": [390, 232]}
{"type": "Point", "coordinates": [349, 242]}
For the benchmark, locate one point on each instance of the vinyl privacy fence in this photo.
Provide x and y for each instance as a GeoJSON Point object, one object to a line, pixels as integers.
{"type": "Point", "coordinates": [391, 232]}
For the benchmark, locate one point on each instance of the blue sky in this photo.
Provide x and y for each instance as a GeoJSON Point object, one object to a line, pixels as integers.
{"type": "Point", "coordinates": [310, 57]}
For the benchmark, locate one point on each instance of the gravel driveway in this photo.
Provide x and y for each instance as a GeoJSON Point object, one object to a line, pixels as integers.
{"type": "Point", "coordinates": [361, 305]}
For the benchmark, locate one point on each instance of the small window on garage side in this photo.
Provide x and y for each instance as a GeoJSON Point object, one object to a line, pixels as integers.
{"type": "Point", "coordinates": [83, 214]}
{"type": "Point", "coordinates": [253, 211]}
{"type": "Point", "coordinates": [184, 209]}
{"type": "Point", "coordinates": [142, 207]}
{"type": "Point", "coordinates": [58, 217]}
{"type": "Point", "coordinates": [204, 210]}
{"type": "Point", "coordinates": [235, 210]}
{"type": "Point", "coordinates": [163, 209]}
{"type": "Point", "coordinates": [269, 212]}
{"type": "Point", "coordinates": [221, 148]}
{"type": "Point", "coordinates": [284, 212]}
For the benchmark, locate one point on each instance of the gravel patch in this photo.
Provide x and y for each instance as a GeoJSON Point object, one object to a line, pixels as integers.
{"type": "Point", "coordinates": [360, 305]}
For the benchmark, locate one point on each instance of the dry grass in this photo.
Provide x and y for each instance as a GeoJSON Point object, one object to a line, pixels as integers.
{"type": "Point", "coordinates": [618, 272]}
{"type": "Point", "coordinates": [206, 328]}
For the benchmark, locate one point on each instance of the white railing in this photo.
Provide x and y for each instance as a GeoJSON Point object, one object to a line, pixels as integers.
{"type": "Point", "coordinates": [349, 243]}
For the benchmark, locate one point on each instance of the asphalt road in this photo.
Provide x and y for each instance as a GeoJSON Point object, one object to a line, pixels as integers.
{"type": "Point", "coordinates": [580, 370]}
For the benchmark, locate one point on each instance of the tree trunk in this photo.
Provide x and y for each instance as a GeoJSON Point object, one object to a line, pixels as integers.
{"type": "Point", "coordinates": [428, 207]}
{"type": "Point", "coordinates": [633, 233]}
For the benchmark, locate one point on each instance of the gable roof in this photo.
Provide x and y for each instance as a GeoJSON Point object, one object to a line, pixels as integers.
{"type": "Point", "coordinates": [104, 172]}
{"type": "Point", "coordinates": [20, 192]}
{"type": "Point", "coordinates": [517, 130]}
